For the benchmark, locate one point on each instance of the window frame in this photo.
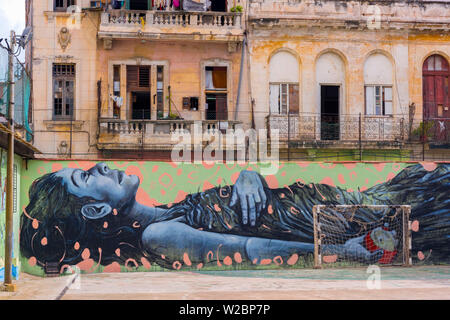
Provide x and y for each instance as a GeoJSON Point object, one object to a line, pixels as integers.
{"type": "Point", "coordinates": [65, 5]}
{"type": "Point", "coordinates": [64, 79]}
{"type": "Point", "coordinates": [288, 102]}
{"type": "Point", "coordinates": [383, 100]}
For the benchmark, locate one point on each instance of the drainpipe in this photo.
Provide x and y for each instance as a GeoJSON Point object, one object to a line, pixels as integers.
{"type": "Point", "coordinates": [244, 43]}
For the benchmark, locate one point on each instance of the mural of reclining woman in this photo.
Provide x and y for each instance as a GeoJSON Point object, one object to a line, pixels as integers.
{"type": "Point", "coordinates": [74, 213]}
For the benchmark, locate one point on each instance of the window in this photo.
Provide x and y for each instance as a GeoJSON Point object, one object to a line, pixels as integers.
{"type": "Point", "coordinates": [378, 79]}
{"type": "Point", "coordinates": [62, 5]}
{"type": "Point", "coordinates": [63, 90]}
{"type": "Point", "coordinates": [160, 91]}
{"type": "Point", "coordinates": [283, 83]}
{"type": "Point", "coordinates": [435, 63]}
{"type": "Point", "coordinates": [284, 98]}
{"type": "Point", "coordinates": [116, 91]}
{"type": "Point", "coordinates": [138, 85]}
{"type": "Point", "coordinates": [379, 100]}
{"type": "Point", "coordinates": [216, 93]}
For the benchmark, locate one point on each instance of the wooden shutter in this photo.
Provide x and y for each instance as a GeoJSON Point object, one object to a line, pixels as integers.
{"type": "Point", "coordinates": [293, 99]}
{"type": "Point", "coordinates": [429, 99]}
{"type": "Point", "coordinates": [274, 98]}
{"type": "Point", "coordinates": [138, 78]}
{"type": "Point", "coordinates": [221, 107]}
{"type": "Point", "coordinates": [132, 77]}
{"type": "Point", "coordinates": [370, 100]}
{"type": "Point", "coordinates": [387, 101]}
{"type": "Point", "coordinates": [144, 77]}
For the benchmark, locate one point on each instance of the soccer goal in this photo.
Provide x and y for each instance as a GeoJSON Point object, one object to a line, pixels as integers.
{"type": "Point", "coordinates": [361, 235]}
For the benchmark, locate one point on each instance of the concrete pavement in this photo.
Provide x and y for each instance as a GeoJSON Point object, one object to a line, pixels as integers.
{"type": "Point", "coordinates": [30, 287]}
{"type": "Point", "coordinates": [300, 284]}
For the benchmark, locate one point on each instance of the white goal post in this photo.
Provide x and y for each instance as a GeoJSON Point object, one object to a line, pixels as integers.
{"type": "Point", "coordinates": [362, 235]}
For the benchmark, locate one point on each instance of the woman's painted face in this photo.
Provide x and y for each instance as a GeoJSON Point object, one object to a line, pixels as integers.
{"type": "Point", "coordinates": [101, 183]}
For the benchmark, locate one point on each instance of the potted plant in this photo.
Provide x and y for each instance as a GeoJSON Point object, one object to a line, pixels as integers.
{"type": "Point", "coordinates": [423, 131]}
{"type": "Point", "coordinates": [236, 9]}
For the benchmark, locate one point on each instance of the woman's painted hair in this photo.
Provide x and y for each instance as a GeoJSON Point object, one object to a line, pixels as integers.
{"type": "Point", "coordinates": [53, 230]}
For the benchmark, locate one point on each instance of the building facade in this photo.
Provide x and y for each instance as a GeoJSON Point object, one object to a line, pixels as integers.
{"type": "Point", "coordinates": [117, 82]}
{"type": "Point", "coordinates": [114, 79]}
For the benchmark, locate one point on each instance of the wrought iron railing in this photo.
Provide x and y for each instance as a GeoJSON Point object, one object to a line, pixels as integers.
{"type": "Point", "coordinates": [327, 127]}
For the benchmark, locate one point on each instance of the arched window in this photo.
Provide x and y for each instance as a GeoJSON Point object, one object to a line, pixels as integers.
{"type": "Point", "coordinates": [378, 81]}
{"type": "Point", "coordinates": [283, 83]}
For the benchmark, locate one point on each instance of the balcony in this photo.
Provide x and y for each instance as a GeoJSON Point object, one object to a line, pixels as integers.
{"type": "Point", "coordinates": [343, 131]}
{"type": "Point", "coordinates": [157, 134]}
{"type": "Point", "coordinates": [171, 25]}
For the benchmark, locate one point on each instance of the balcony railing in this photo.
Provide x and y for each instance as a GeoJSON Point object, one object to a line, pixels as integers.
{"type": "Point", "coordinates": [159, 21]}
{"type": "Point", "coordinates": [344, 128]}
{"type": "Point", "coordinates": [157, 134]}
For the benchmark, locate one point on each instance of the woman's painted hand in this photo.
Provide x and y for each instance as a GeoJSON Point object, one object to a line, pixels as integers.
{"type": "Point", "coordinates": [249, 193]}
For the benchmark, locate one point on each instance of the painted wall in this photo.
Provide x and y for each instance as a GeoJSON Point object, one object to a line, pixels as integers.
{"type": "Point", "coordinates": [149, 216]}
{"type": "Point", "coordinates": [17, 187]}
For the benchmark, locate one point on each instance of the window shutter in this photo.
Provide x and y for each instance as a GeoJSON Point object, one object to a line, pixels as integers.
{"type": "Point", "coordinates": [138, 78]}
{"type": "Point", "coordinates": [387, 100]}
{"type": "Point", "coordinates": [221, 107]}
{"type": "Point", "coordinates": [293, 99]}
{"type": "Point", "coordinates": [370, 103]}
{"type": "Point", "coordinates": [144, 77]}
{"type": "Point", "coordinates": [284, 98]}
{"type": "Point", "coordinates": [132, 77]}
{"type": "Point", "coordinates": [274, 98]}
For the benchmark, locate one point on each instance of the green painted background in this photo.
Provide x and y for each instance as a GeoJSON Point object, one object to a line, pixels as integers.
{"type": "Point", "coordinates": [165, 183]}
{"type": "Point", "coordinates": [17, 212]}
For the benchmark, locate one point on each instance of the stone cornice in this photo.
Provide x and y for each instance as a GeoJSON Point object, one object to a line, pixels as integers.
{"type": "Point", "coordinates": [336, 14]}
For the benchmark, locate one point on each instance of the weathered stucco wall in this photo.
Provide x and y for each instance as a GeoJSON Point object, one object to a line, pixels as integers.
{"type": "Point", "coordinates": [405, 33]}
{"type": "Point", "coordinates": [179, 216]}
{"type": "Point", "coordinates": [185, 61]}
{"type": "Point", "coordinates": [81, 50]}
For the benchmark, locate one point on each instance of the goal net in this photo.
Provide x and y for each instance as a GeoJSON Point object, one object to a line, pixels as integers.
{"type": "Point", "coordinates": [361, 235]}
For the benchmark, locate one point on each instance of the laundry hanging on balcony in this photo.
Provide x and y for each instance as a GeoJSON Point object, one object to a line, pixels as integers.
{"type": "Point", "coordinates": [165, 4]}
{"type": "Point", "coordinates": [117, 100]}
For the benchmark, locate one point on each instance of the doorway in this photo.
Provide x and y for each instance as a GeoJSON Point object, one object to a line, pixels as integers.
{"type": "Point", "coordinates": [138, 5]}
{"type": "Point", "coordinates": [140, 105]}
{"type": "Point", "coordinates": [219, 5]}
{"type": "Point", "coordinates": [216, 106]}
{"type": "Point", "coordinates": [436, 101]}
{"type": "Point", "coordinates": [329, 114]}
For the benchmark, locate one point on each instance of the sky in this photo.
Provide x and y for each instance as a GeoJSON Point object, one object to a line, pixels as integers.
{"type": "Point", "coordinates": [12, 17]}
